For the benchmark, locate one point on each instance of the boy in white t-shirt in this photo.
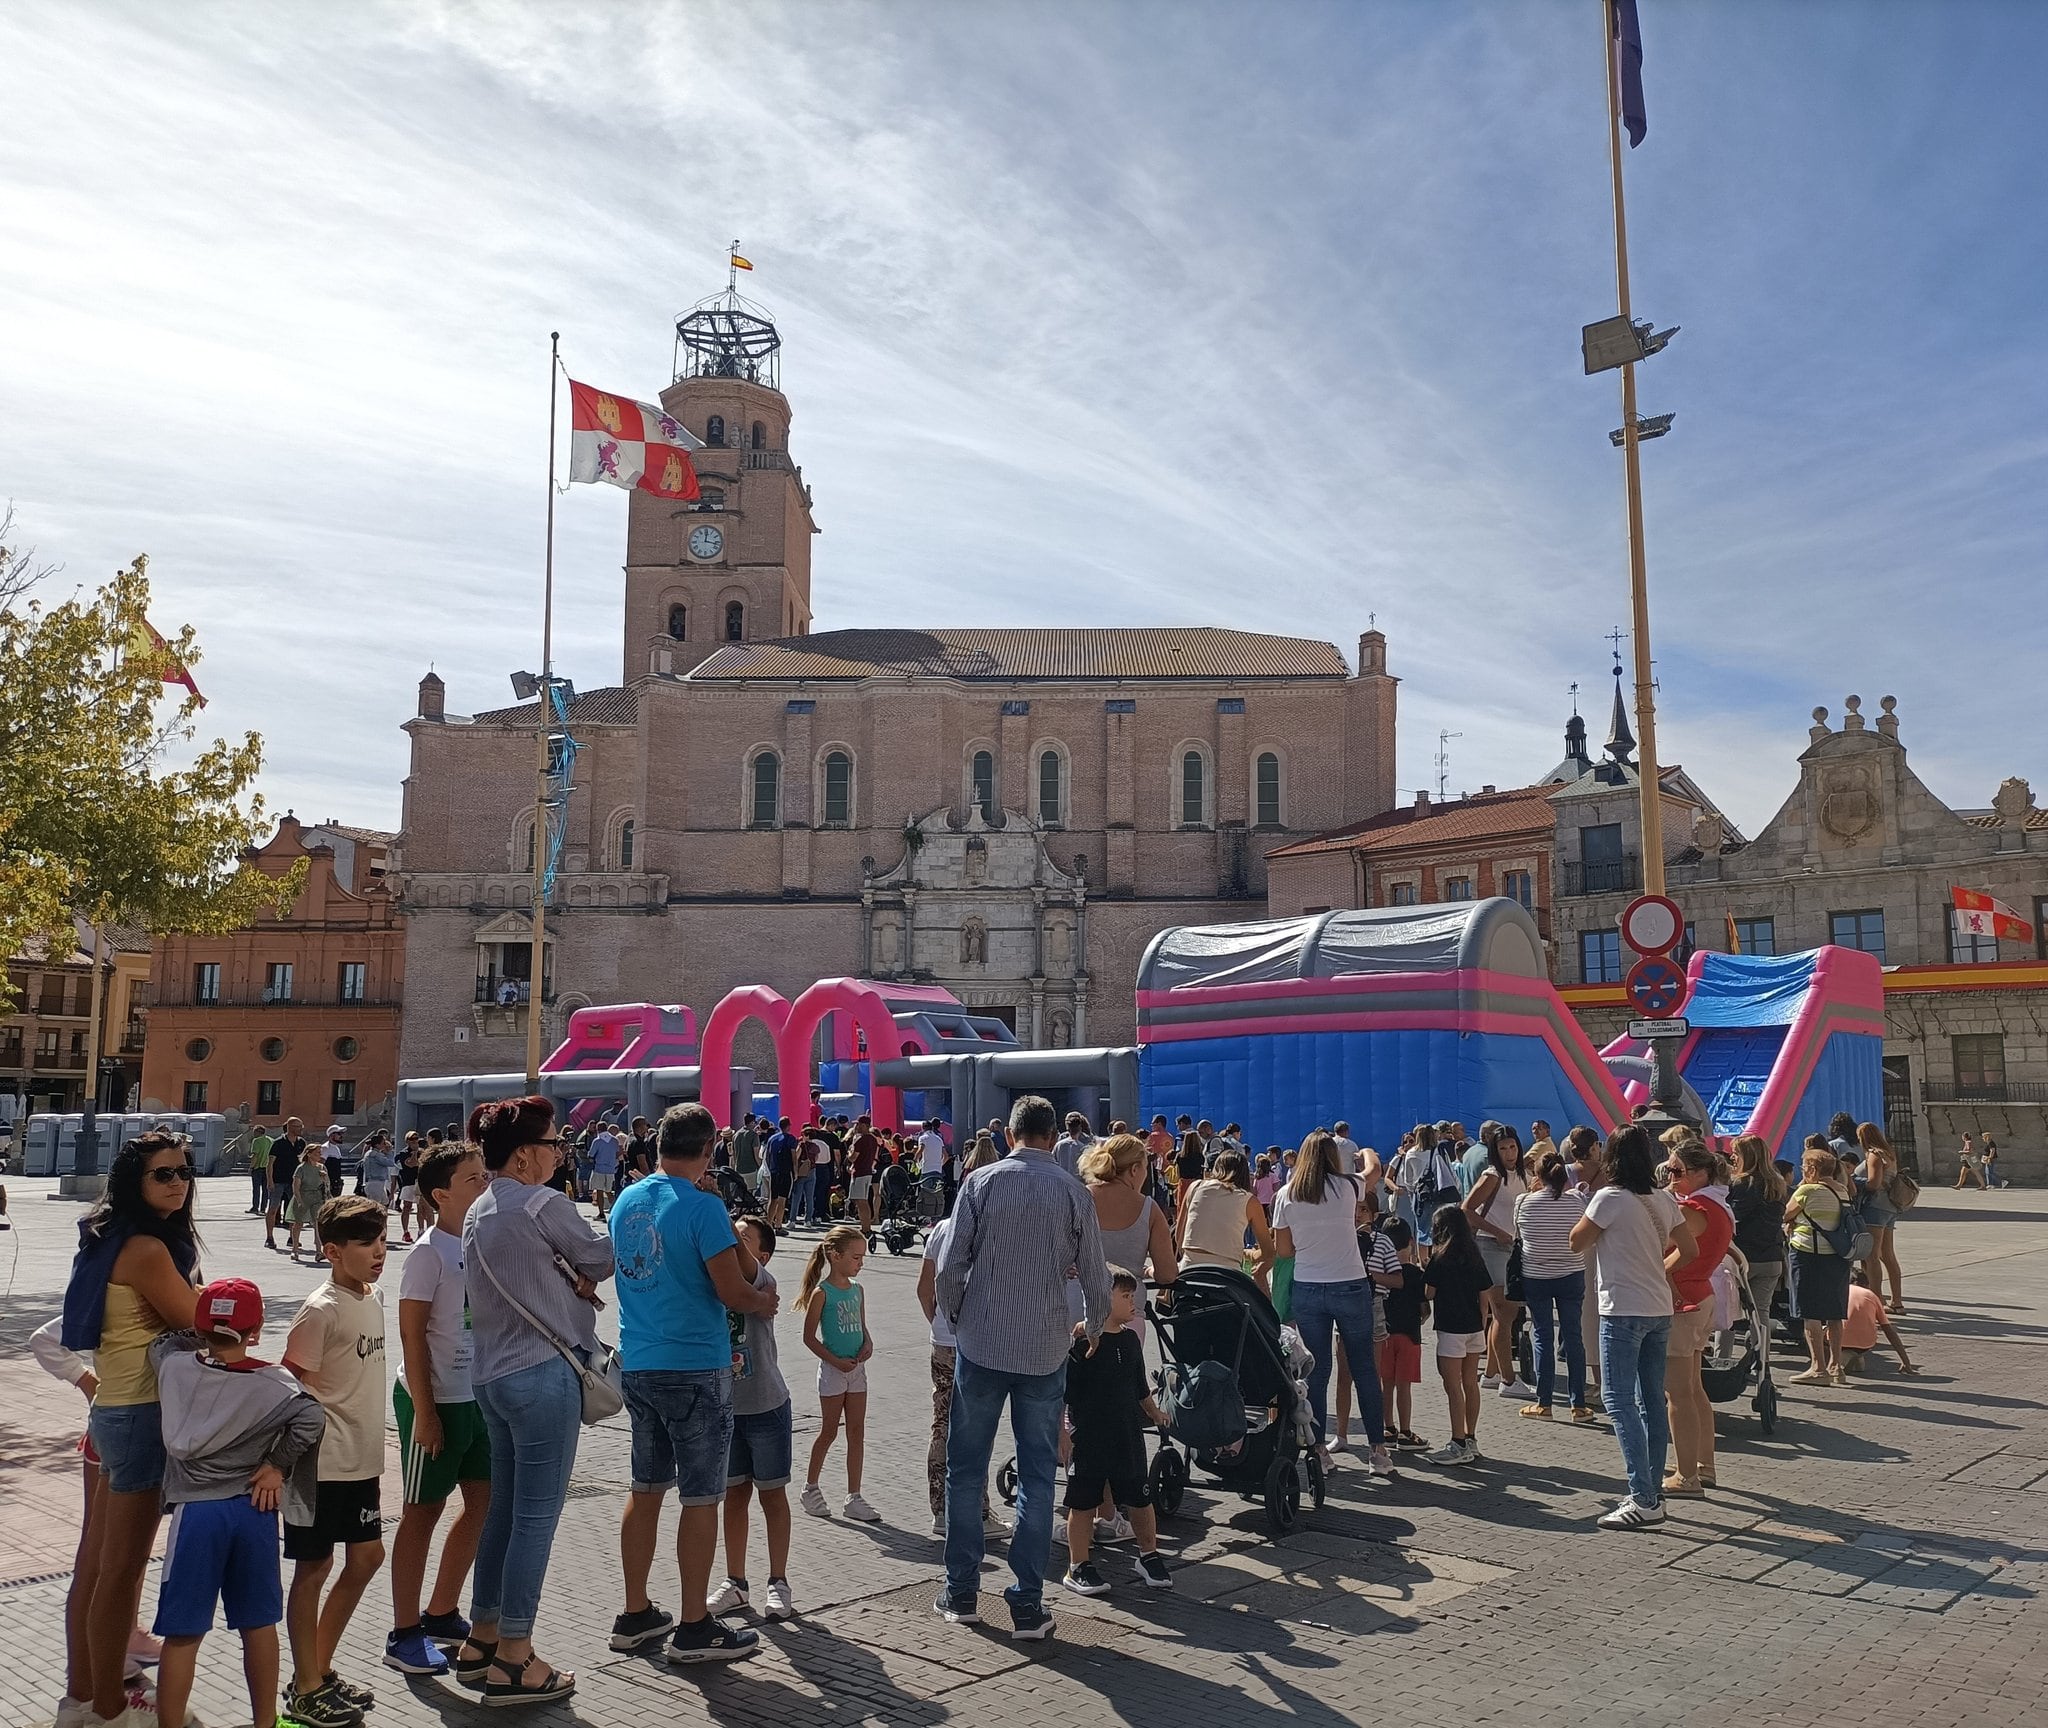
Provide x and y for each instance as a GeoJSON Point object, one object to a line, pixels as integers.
{"type": "Point", "coordinates": [442, 1441]}
{"type": "Point", "coordinates": [336, 1348]}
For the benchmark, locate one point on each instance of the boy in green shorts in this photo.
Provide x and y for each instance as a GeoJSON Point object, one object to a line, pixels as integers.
{"type": "Point", "coordinates": [441, 1436]}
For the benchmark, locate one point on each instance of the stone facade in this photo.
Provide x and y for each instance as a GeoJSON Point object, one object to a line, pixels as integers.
{"type": "Point", "coordinates": [1012, 813]}
{"type": "Point", "coordinates": [1861, 853]}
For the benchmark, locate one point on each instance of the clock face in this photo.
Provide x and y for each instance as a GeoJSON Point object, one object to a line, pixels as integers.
{"type": "Point", "coordinates": [706, 541]}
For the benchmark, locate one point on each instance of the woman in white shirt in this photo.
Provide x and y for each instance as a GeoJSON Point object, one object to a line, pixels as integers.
{"type": "Point", "coordinates": [1315, 1222]}
{"type": "Point", "coordinates": [1629, 1226]}
{"type": "Point", "coordinates": [1491, 1208]}
{"type": "Point", "coordinates": [1553, 1283]}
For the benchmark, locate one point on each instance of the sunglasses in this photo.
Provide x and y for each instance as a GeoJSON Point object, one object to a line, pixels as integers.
{"type": "Point", "coordinates": [169, 1173]}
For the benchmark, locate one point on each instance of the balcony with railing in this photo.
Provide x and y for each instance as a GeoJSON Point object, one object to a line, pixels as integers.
{"type": "Point", "coordinates": [496, 989]}
{"type": "Point", "coordinates": [1623, 875]}
{"type": "Point", "coordinates": [2033, 1092]}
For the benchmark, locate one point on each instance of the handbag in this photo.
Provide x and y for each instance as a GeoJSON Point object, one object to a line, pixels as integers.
{"type": "Point", "coordinates": [602, 1379]}
{"type": "Point", "coordinates": [1902, 1191]}
{"type": "Point", "coordinates": [1511, 1280]}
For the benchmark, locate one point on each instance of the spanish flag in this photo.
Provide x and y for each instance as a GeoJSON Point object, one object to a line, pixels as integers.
{"type": "Point", "coordinates": [739, 263]}
{"type": "Point", "coordinates": [155, 655]}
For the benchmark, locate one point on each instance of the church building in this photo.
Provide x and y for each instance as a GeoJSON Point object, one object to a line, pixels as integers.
{"type": "Point", "coordinates": [1009, 813]}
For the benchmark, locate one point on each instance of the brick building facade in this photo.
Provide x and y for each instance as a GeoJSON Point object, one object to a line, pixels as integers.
{"type": "Point", "coordinates": [1012, 813]}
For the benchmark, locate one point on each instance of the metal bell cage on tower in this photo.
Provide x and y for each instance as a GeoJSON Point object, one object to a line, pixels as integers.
{"type": "Point", "coordinates": [728, 336]}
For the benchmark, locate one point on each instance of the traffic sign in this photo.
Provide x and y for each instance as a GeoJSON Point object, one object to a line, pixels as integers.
{"type": "Point", "coordinates": [1656, 985]}
{"type": "Point", "coordinates": [1651, 924]}
{"type": "Point", "coordinates": [1649, 1031]}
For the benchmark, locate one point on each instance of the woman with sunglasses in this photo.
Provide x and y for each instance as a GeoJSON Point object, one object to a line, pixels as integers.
{"type": "Point", "coordinates": [531, 1263]}
{"type": "Point", "coordinates": [1698, 1178]}
{"type": "Point", "coordinates": [135, 1278]}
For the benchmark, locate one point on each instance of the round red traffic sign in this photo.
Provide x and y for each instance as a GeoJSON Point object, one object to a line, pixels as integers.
{"type": "Point", "coordinates": [1651, 924]}
{"type": "Point", "coordinates": [1656, 985]}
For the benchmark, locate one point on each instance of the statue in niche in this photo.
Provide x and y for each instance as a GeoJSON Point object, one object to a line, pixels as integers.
{"type": "Point", "coordinates": [976, 861]}
{"type": "Point", "coordinates": [888, 940]}
{"type": "Point", "coordinates": [974, 943]}
{"type": "Point", "coordinates": [1059, 945]}
{"type": "Point", "coordinates": [1061, 1027]}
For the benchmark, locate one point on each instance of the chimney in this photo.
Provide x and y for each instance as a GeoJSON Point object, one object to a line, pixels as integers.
{"type": "Point", "coordinates": [1489, 789]}
{"type": "Point", "coordinates": [1422, 803]}
{"type": "Point", "coordinates": [1372, 653]}
{"type": "Point", "coordinates": [433, 698]}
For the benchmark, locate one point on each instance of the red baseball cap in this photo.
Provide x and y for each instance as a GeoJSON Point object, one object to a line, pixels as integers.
{"type": "Point", "coordinates": [230, 1308]}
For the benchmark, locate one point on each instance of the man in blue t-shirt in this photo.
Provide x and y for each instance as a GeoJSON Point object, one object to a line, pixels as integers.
{"type": "Point", "coordinates": [781, 1151]}
{"type": "Point", "coordinates": [679, 1272]}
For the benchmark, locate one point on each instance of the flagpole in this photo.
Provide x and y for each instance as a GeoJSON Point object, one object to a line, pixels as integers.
{"type": "Point", "coordinates": [1638, 579]}
{"type": "Point", "coordinates": [537, 968]}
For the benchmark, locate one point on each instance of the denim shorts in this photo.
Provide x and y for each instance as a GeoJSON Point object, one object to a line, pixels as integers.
{"type": "Point", "coordinates": [682, 1431]}
{"type": "Point", "coordinates": [761, 1447]}
{"type": "Point", "coordinates": [129, 1439]}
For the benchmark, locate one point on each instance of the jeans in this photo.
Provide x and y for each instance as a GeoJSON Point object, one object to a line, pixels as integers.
{"type": "Point", "coordinates": [800, 1192]}
{"type": "Point", "coordinates": [1632, 1350]}
{"type": "Point", "coordinates": [535, 1418]}
{"type": "Point", "coordinates": [1035, 1402]}
{"type": "Point", "coordinates": [259, 1185]}
{"type": "Point", "coordinates": [1346, 1310]}
{"type": "Point", "coordinates": [1554, 1305]}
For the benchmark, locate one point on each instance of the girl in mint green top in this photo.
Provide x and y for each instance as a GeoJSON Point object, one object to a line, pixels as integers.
{"type": "Point", "coordinates": [836, 1332]}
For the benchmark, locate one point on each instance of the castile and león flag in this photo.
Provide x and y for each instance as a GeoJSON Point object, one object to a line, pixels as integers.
{"type": "Point", "coordinates": [637, 445]}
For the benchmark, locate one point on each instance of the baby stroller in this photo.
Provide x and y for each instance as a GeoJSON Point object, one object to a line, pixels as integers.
{"type": "Point", "coordinates": [1215, 1316]}
{"type": "Point", "coordinates": [736, 1191]}
{"type": "Point", "coordinates": [895, 1223]}
{"type": "Point", "coordinates": [1726, 1378]}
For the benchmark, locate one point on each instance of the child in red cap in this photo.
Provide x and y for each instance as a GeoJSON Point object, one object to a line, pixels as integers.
{"type": "Point", "coordinates": [235, 1429]}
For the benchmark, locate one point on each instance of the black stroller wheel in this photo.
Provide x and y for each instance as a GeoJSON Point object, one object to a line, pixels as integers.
{"type": "Point", "coordinates": [1318, 1482]}
{"type": "Point", "coordinates": [1525, 1348]}
{"type": "Point", "coordinates": [1766, 1403]}
{"type": "Point", "coordinates": [1006, 1481]}
{"type": "Point", "coordinates": [1169, 1481]}
{"type": "Point", "coordinates": [1283, 1491]}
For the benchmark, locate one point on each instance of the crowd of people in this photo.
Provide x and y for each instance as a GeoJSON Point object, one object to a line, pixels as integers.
{"type": "Point", "coordinates": [1625, 1252]}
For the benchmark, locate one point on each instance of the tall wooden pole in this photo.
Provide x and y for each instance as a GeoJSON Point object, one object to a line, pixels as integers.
{"type": "Point", "coordinates": [1638, 580]}
{"type": "Point", "coordinates": [537, 980]}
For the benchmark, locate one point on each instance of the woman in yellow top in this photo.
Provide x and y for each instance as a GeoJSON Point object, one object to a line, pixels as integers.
{"type": "Point", "coordinates": [1818, 1276]}
{"type": "Point", "coordinates": [144, 1222]}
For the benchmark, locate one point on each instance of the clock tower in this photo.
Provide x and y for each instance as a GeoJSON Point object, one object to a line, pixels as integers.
{"type": "Point", "coordinates": [735, 566]}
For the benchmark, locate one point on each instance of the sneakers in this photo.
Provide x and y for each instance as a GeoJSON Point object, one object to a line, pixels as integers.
{"type": "Point", "coordinates": [74, 1712]}
{"type": "Point", "coordinates": [445, 1628]}
{"type": "Point", "coordinates": [813, 1501]}
{"type": "Point", "coordinates": [856, 1508]}
{"type": "Point", "coordinates": [1085, 1580]}
{"type": "Point", "coordinates": [1536, 1412]}
{"type": "Point", "coordinates": [1517, 1388]}
{"type": "Point", "coordinates": [1812, 1377]}
{"type": "Point", "coordinates": [631, 1631]}
{"type": "Point", "coordinates": [1630, 1516]}
{"type": "Point", "coordinates": [1380, 1463]}
{"type": "Point", "coordinates": [1489, 1382]}
{"type": "Point", "coordinates": [711, 1640]}
{"type": "Point", "coordinates": [1450, 1452]}
{"type": "Point", "coordinates": [1030, 1625]}
{"type": "Point", "coordinates": [939, 1528]}
{"type": "Point", "coordinates": [779, 1604]}
{"type": "Point", "coordinates": [1338, 1444]}
{"type": "Point", "coordinates": [411, 1651]}
{"type": "Point", "coordinates": [993, 1529]}
{"type": "Point", "coordinates": [323, 1707]}
{"type": "Point", "coordinates": [1117, 1529]}
{"type": "Point", "coordinates": [1677, 1487]}
{"type": "Point", "coordinates": [1471, 1445]}
{"type": "Point", "coordinates": [1059, 1528]}
{"type": "Point", "coordinates": [731, 1598]}
{"type": "Point", "coordinates": [958, 1610]}
{"type": "Point", "coordinates": [1152, 1568]}
{"type": "Point", "coordinates": [357, 1697]}
{"type": "Point", "coordinates": [1583, 1413]}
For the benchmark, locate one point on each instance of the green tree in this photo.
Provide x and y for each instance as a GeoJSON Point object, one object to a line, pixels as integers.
{"type": "Point", "coordinates": [107, 810]}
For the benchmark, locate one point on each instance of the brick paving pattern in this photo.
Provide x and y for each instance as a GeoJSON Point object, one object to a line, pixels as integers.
{"type": "Point", "coordinates": [1878, 1560]}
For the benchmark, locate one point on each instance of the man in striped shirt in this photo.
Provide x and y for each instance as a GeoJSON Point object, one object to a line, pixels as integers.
{"type": "Point", "coordinates": [1019, 1227]}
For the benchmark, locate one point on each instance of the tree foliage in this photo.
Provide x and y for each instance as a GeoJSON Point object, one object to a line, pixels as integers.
{"type": "Point", "coordinates": [106, 812]}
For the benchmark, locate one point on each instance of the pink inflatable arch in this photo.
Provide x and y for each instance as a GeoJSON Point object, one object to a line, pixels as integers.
{"type": "Point", "coordinates": [749, 1002]}
{"type": "Point", "coordinates": [864, 1006]}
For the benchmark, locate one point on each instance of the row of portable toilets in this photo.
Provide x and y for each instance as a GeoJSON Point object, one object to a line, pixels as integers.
{"type": "Point", "coordinates": [48, 1145]}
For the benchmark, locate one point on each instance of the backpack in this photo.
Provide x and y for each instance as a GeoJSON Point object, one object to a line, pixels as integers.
{"type": "Point", "coordinates": [1841, 1236]}
{"type": "Point", "coordinates": [1434, 1192]}
{"type": "Point", "coordinates": [1205, 1410]}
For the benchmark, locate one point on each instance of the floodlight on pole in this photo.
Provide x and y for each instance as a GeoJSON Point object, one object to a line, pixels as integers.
{"type": "Point", "coordinates": [1620, 341]}
{"type": "Point", "coordinates": [1655, 426]}
{"type": "Point", "coordinates": [525, 686]}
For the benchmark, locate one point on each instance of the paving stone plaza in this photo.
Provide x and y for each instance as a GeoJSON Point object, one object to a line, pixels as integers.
{"type": "Point", "coordinates": [1880, 1560]}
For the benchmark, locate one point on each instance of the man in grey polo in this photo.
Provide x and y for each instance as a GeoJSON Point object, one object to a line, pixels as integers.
{"type": "Point", "coordinates": [1018, 1227]}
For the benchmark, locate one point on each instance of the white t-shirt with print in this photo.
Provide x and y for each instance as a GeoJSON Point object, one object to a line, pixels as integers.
{"type": "Point", "coordinates": [1627, 1257]}
{"type": "Point", "coordinates": [337, 1345]}
{"type": "Point", "coordinates": [433, 1273]}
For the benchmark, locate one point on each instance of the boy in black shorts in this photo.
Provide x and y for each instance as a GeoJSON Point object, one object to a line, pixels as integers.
{"type": "Point", "coordinates": [336, 1348]}
{"type": "Point", "coordinates": [1109, 1401]}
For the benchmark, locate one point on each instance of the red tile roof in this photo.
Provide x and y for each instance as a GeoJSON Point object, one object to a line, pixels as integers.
{"type": "Point", "coordinates": [1007, 655]}
{"type": "Point", "coordinates": [612, 706]}
{"type": "Point", "coordinates": [1483, 816]}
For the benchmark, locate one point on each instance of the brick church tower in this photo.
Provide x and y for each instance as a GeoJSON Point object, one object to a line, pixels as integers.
{"type": "Point", "coordinates": [735, 566]}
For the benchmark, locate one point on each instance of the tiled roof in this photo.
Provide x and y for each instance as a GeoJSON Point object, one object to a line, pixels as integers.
{"type": "Point", "coordinates": [1007, 655]}
{"type": "Point", "coordinates": [612, 706]}
{"type": "Point", "coordinates": [367, 836]}
{"type": "Point", "coordinates": [1484, 816]}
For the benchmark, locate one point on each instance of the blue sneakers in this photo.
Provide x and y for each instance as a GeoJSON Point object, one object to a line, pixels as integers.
{"type": "Point", "coordinates": [411, 1651]}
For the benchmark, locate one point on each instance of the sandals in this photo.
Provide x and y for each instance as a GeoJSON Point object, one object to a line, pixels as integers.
{"type": "Point", "coordinates": [1410, 1441]}
{"type": "Point", "coordinates": [471, 1673]}
{"type": "Point", "coordinates": [554, 1686]}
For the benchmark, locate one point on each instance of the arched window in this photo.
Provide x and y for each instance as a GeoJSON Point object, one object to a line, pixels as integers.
{"type": "Point", "coordinates": [1051, 806]}
{"type": "Point", "coordinates": [525, 841]}
{"type": "Point", "coordinates": [624, 860]}
{"type": "Point", "coordinates": [838, 788]}
{"type": "Point", "coordinates": [1194, 803]}
{"type": "Point", "coordinates": [983, 775]}
{"type": "Point", "coordinates": [760, 439]}
{"type": "Point", "coordinates": [1266, 790]}
{"type": "Point", "coordinates": [714, 430]}
{"type": "Point", "coordinates": [735, 621]}
{"type": "Point", "coordinates": [678, 622]}
{"type": "Point", "coordinates": [765, 804]}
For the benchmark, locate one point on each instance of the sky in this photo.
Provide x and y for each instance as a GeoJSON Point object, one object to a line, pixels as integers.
{"type": "Point", "coordinates": [1102, 313]}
